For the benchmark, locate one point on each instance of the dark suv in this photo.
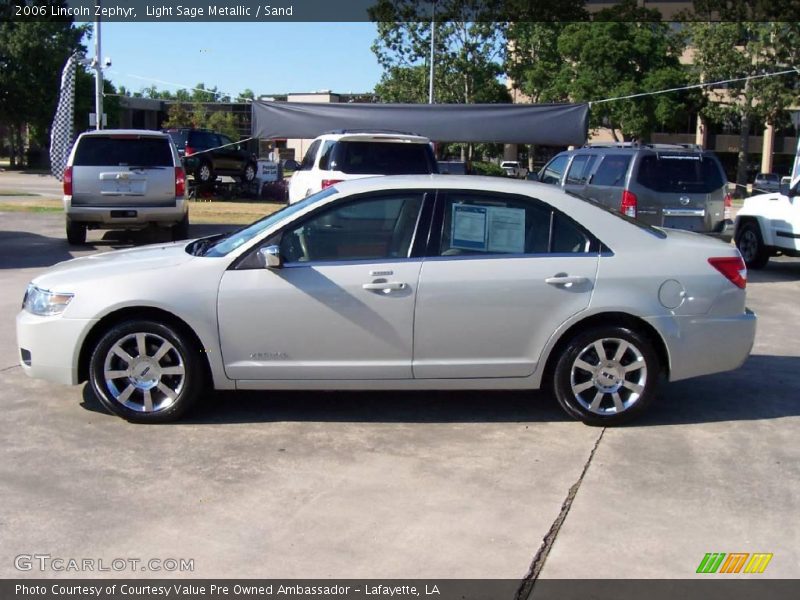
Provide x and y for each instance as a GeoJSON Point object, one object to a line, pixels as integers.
{"type": "Point", "coordinates": [207, 154]}
{"type": "Point", "coordinates": [668, 185]}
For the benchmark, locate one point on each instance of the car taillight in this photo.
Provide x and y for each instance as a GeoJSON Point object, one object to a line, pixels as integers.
{"type": "Point", "coordinates": [68, 181]}
{"type": "Point", "coordinates": [180, 182]}
{"type": "Point", "coordinates": [188, 150]}
{"type": "Point", "coordinates": [628, 204]}
{"type": "Point", "coordinates": [326, 183]}
{"type": "Point", "coordinates": [732, 267]}
{"type": "Point", "coordinates": [726, 212]}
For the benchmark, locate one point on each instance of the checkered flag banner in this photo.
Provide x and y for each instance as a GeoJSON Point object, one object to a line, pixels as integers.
{"type": "Point", "coordinates": [63, 128]}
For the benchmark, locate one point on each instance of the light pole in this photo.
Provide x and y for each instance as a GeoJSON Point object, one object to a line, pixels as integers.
{"type": "Point", "coordinates": [98, 71]}
{"type": "Point", "coordinates": [433, 34]}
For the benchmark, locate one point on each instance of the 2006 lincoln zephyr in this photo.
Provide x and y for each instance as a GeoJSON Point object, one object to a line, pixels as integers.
{"type": "Point", "coordinates": [414, 282]}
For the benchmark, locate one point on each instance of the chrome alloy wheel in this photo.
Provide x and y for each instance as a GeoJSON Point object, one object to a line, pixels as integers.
{"type": "Point", "coordinates": [144, 372]}
{"type": "Point", "coordinates": [608, 376]}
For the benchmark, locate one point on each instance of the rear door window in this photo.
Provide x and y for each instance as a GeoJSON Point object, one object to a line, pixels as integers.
{"type": "Point", "coordinates": [580, 169]}
{"type": "Point", "coordinates": [612, 170]}
{"type": "Point", "coordinates": [121, 151]}
{"type": "Point", "coordinates": [691, 173]}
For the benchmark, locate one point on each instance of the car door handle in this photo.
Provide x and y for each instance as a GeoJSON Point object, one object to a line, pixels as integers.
{"type": "Point", "coordinates": [384, 286]}
{"type": "Point", "coordinates": [565, 280]}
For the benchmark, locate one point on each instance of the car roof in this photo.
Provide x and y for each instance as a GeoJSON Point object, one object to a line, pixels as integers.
{"type": "Point", "coordinates": [127, 132]}
{"type": "Point", "coordinates": [362, 136]}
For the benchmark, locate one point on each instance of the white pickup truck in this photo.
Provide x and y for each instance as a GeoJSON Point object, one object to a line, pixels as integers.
{"type": "Point", "coordinates": [769, 225]}
{"type": "Point", "coordinates": [513, 169]}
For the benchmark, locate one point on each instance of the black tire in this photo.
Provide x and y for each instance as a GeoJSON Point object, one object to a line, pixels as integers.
{"type": "Point", "coordinates": [205, 173]}
{"type": "Point", "coordinates": [249, 172]}
{"type": "Point", "coordinates": [180, 231]}
{"type": "Point", "coordinates": [124, 393]}
{"type": "Point", "coordinates": [76, 233]}
{"type": "Point", "coordinates": [751, 246]}
{"type": "Point", "coordinates": [611, 394]}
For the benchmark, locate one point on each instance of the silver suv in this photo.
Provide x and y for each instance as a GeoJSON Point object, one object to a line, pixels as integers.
{"type": "Point", "coordinates": [676, 186]}
{"type": "Point", "coordinates": [124, 179]}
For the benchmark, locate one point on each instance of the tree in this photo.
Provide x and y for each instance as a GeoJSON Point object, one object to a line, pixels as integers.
{"type": "Point", "coordinates": [178, 116]}
{"type": "Point", "coordinates": [740, 50]}
{"type": "Point", "coordinates": [32, 55]}
{"type": "Point", "coordinates": [247, 94]}
{"type": "Point", "coordinates": [627, 51]}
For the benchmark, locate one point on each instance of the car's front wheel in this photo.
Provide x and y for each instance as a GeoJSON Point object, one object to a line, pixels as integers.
{"type": "Point", "coordinates": [751, 246]}
{"type": "Point", "coordinates": [205, 173]}
{"type": "Point", "coordinates": [606, 375]}
{"type": "Point", "coordinates": [146, 372]}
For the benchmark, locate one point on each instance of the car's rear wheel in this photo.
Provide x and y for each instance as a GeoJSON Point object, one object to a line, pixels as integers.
{"type": "Point", "coordinates": [606, 375]}
{"type": "Point", "coordinates": [76, 232]}
{"type": "Point", "coordinates": [205, 173]}
{"type": "Point", "coordinates": [249, 173]}
{"type": "Point", "coordinates": [180, 231]}
{"type": "Point", "coordinates": [146, 372]}
{"type": "Point", "coordinates": [751, 246]}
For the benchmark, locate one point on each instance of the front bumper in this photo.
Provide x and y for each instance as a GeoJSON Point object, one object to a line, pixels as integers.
{"type": "Point", "coordinates": [705, 345]}
{"type": "Point", "coordinates": [49, 347]}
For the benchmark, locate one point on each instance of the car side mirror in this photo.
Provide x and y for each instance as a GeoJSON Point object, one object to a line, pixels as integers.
{"type": "Point", "coordinates": [270, 257]}
{"type": "Point", "coordinates": [787, 190]}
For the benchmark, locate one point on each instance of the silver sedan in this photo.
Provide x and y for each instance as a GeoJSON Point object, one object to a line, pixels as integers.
{"type": "Point", "coordinates": [413, 282]}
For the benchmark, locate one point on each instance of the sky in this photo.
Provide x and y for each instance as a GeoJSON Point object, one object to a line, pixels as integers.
{"type": "Point", "coordinates": [268, 58]}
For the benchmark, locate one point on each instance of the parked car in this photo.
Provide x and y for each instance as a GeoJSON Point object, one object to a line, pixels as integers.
{"type": "Point", "coordinates": [769, 225]}
{"type": "Point", "coordinates": [124, 179]}
{"type": "Point", "coordinates": [660, 184]}
{"type": "Point", "coordinates": [416, 282]}
{"type": "Point", "coordinates": [452, 167]}
{"type": "Point", "coordinates": [514, 169]}
{"type": "Point", "coordinates": [208, 154]}
{"type": "Point", "coordinates": [342, 155]}
{"type": "Point", "coordinates": [765, 183]}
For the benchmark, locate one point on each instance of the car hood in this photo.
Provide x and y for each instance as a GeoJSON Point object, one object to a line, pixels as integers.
{"type": "Point", "coordinates": [98, 266]}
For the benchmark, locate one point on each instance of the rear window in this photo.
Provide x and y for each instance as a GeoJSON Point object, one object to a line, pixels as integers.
{"type": "Point", "coordinates": [179, 138]}
{"type": "Point", "coordinates": [691, 173]}
{"type": "Point", "coordinates": [96, 151]}
{"type": "Point", "coordinates": [612, 170]}
{"type": "Point", "coordinates": [203, 139]}
{"type": "Point", "coordinates": [381, 158]}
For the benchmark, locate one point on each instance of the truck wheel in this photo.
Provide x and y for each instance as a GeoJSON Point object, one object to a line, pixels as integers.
{"type": "Point", "coordinates": [76, 233]}
{"type": "Point", "coordinates": [751, 246]}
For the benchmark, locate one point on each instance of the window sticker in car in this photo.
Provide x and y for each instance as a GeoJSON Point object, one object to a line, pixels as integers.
{"type": "Point", "coordinates": [488, 228]}
{"type": "Point", "coordinates": [469, 227]}
{"type": "Point", "coordinates": [507, 230]}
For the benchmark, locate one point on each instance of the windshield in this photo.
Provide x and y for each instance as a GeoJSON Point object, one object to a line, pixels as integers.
{"type": "Point", "coordinates": [233, 240]}
{"type": "Point", "coordinates": [122, 150]}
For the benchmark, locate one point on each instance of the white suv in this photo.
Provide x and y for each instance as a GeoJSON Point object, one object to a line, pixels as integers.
{"type": "Point", "coordinates": [341, 155]}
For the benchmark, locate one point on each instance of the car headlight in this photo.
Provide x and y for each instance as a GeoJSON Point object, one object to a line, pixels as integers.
{"type": "Point", "coordinates": [44, 302]}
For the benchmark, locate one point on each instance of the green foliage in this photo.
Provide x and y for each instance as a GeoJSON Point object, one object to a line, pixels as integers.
{"type": "Point", "coordinates": [178, 116]}
{"type": "Point", "coordinates": [487, 168]}
{"type": "Point", "coordinates": [223, 122]}
{"type": "Point", "coordinates": [32, 55]}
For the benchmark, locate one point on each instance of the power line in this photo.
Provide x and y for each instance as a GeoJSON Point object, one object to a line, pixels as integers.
{"type": "Point", "coordinates": [695, 86]}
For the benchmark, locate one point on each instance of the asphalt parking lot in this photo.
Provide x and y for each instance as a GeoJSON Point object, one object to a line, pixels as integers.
{"type": "Point", "coordinates": [403, 485]}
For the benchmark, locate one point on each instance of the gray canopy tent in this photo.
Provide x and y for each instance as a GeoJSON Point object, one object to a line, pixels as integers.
{"type": "Point", "coordinates": [541, 124]}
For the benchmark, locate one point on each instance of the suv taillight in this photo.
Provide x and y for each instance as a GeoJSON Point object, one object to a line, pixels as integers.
{"type": "Point", "coordinates": [68, 181]}
{"type": "Point", "coordinates": [326, 183]}
{"type": "Point", "coordinates": [180, 182]}
{"type": "Point", "coordinates": [188, 150]}
{"type": "Point", "coordinates": [628, 205]}
{"type": "Point", "coordinates": [732, 267]}
{"type": "Point", "coordinates": [726, 212]}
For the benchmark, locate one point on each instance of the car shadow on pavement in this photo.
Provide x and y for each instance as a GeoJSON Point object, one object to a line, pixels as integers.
{"type": "Point", "coordinates": [764, 388]}
{"type": "Point", "coordinates": [776, 272]}
{"type": "Point", "coordinates": [366, 407]}
{"type": "Point", "coordinates": [24, 250]}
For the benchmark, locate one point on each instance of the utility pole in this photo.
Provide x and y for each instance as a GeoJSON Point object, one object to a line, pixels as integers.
{"type": "Point", "coordinates": [98, 71]}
